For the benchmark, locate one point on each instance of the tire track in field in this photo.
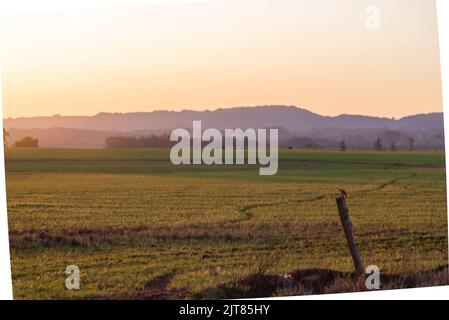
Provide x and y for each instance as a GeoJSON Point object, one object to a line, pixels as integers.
{"type": "Point", "coordinates": [245, 211]}
{"type": "Point", "coordinates": [389, 183]}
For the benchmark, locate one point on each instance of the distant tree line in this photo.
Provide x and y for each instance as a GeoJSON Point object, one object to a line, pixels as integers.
{"type": "Point", "coordinates": [379, 146]}
{"type": "Point", "coordinates": [5, 138]}
{"type": "Point", "coordinates": [388, 140]}
{"type": "Point", "coordinates": [380, 143]}
{"type": "Point", "coordinates": [152, 141]}
{"type": "Point", "coordinates": [26, 142]}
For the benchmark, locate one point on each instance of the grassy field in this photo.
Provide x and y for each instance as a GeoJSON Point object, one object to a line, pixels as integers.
{"type": "Point", "coordinates": [139, 227]}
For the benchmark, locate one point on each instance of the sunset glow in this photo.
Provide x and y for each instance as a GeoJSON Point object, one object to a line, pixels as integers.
{"type": "Point", "coordinates": [205, 55]}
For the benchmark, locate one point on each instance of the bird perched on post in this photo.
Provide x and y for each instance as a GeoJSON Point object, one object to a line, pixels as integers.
{"type": "Point", "coordinates": [343, 193]}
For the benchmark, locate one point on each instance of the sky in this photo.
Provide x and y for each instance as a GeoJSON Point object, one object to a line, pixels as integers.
{"type": "Point", "coordinates": [318, 55]}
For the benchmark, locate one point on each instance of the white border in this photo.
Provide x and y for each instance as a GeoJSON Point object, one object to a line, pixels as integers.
{"type": "Point", "coordinates": [413, 294]}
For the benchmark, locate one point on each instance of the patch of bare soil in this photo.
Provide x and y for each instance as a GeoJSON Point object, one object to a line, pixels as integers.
{"type": "Point", "coordinates": [155, 289]}
{"type": "Point", "coordinates": [321, 281]}
{"type": "Point", "coordinates": [297, 282]}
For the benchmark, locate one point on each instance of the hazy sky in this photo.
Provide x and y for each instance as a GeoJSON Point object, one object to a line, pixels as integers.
{"type": "Point", "coordinates": [315, 54]}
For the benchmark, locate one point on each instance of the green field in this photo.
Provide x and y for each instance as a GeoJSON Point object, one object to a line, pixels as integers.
{"type": "Point", "coordinates": [139, 227]}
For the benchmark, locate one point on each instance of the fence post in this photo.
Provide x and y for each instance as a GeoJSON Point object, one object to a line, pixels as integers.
{"type": "Point", "coordinates": [347, 227]}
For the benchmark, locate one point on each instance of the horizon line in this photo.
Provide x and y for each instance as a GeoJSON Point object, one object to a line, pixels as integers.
{"type": "Point", "coordinates": [221, 109]}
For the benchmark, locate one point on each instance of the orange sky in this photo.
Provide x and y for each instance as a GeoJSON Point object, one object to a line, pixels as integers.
{"type": "Point", "coordinates": [315, 54]}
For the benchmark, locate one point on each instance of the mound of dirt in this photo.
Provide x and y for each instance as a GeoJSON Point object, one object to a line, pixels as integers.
{"type": "Point", "coordinates": [321, 281]}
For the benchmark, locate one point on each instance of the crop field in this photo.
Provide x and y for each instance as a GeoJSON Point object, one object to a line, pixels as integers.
{"type": "Point", "coordinates": [139, 227]}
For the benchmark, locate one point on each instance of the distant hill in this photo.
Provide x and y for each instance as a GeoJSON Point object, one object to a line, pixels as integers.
{"type": "Point", "coordinates": [296, 124]}
{"type": "Point", "coordinates": [291, 118]}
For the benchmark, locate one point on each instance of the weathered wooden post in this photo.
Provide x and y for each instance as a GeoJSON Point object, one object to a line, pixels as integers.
{"type": "Point", "coordinates": [347, 227]}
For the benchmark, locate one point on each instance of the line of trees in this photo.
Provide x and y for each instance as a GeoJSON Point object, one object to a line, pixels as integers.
{"type": "Point", "coordinates": [5, 138]}
{"type": "Point", "coordinates": [378, 145]}
{"type": "Point", "coordinates": [138, 142]}
{"type": "Point", "coordinates": [26, 142]}
{"type": "Point", "coordinates": [392, 142]}
{"type": "Point", "coordinates": [152, 141]}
